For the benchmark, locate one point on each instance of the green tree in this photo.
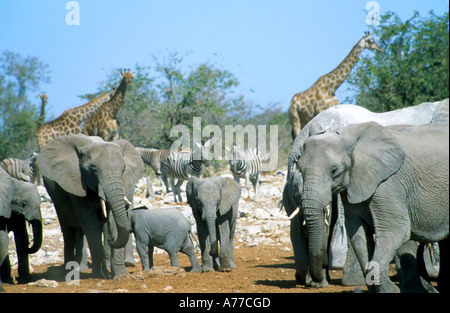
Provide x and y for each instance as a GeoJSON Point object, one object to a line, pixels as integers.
{"type": "Point", "coordinates": [19, 77]}
{"type": "Point", "coordinates": [166, 95]}
{"type": "Point", "coordinates": [413, 68]}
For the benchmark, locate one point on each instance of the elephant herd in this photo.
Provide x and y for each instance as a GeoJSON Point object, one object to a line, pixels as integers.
{"type": "Point", "coordinates": [91, 183]}
{"type": "Point", "coordinates": [389, 172]}
{"type": "Point", "coordinates": [378, 180]}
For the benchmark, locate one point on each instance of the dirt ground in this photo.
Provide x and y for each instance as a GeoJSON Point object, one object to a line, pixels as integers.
{"type": "Point", "coordinates": [260, 269]}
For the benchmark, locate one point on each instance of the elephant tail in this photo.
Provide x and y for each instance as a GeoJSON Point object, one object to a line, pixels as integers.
{"type": "Point", "coordinates": [193, 237]}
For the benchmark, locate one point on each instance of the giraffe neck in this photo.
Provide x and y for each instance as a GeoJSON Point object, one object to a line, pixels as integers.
{"type": "Point", "coordinates": [340, 73]}
{"type": "Point", "coordinates": [117, 100]}
{"type": "Point", "coordinates": [87, 110]}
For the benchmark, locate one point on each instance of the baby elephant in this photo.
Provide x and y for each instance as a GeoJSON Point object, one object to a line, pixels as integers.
{"type": "Point", "coordinates": [167, 229]}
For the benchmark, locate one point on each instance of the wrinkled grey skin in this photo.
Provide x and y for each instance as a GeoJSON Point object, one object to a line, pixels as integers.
{"type": "Point", "coordinates": [166, 229]}
{"type": "Point", "coordinates": [393, 183]}
{"type": "Point", "coordinates": [333, 120]}
{"type": "Point", "coordinates": [79, 173]}
{"type": "Point", "coordinates": [20, 202]}
{"type": "Point", "coordinates": [214, 202]}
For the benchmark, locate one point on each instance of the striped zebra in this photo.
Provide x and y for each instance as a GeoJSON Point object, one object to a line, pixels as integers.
{"type": "Point", "coordinates": [182, 165]}
{"type": "Point", "coordinates": [154, 158]}
{"type": "Point", "coordinates": [23, 170]}
{"type": "Point", "coordinates": [246, 164]}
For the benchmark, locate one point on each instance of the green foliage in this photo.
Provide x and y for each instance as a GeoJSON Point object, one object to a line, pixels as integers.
{"type": "Point", "coordinates": [18, 78]}
{"type": "Point", "coordinates": [167, 95]}
{"type": "Point", "coordinates": [413, 68]}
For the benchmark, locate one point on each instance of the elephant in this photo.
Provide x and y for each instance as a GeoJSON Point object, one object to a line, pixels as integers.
{"type": "Point", "coordinates": [19, 202]}
{"type": "Point", "coordinates": [393, 182]}
{"type": "Point", "coordinates": [333, 120]}
{"type": "Point", "coordinates": [91, 182]}
{"type": "Point", "coordinates": [167, 229]}
{"type": "Point", "coordinates": [215, 203]}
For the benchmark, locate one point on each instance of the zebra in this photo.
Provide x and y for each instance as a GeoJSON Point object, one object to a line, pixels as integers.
{"type": "Point", "coordinates": [246, 164]}
{"type": "Point", "coordinates": [182, 165]}
{"type": "Point", "coordinates": [23, 170]}
{"type": "Point", "coordinates": [154, 158]}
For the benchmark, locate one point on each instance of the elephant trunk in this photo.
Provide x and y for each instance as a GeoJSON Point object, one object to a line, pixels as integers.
{"type": "Point", "coordinates": [314, 207]}
{"type": "Point", "coordinates": [115, 198]}
{"type": "Point", "coordinates": [37, 237]}
{"type": "Point", "coordinates": [211, 224]}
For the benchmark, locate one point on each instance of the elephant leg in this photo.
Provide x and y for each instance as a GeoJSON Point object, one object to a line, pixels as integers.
{"type": "Point", "coordinates": [188, 249]}
{"type": "Point", "coordinates": [173, 256]}
{"type": "Point", "coordinates": [129, 253]}
{"type": "Point", "coordinates": [298, 241]}
{"type": "Point", "coordinates": [21, 240]}
{"type": "Point", "coordinates": [360, 237]}
{"type": "Point", "coordinates": [90, 225]}
{"type": "Point", "coordinates": [117, 255]}
{"type": "Point", "coordinates": [150, 255]}
{"type": "Point", "coordinates": [234, 211]}
{"type": "Point", "coordinates": [205, 247]}
{"type": "Point", "coordinates": [408, 271]}
{"type": "Point", "coordinates": [143, 251]}
{"type": "Point", "coordinates": [5, 266]}
{"type": "Point", "coordinates": [352, 274]}
{"type": "Point", "coordinates": [225, 243]}
{"type": "Point", "coordinates": [81, 255]}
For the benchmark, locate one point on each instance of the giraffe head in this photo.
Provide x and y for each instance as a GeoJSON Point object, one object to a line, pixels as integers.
{"type": "Point", "coordinates": [128, 76]}
{"type": "Point", "coordinates": [367, 42]}
{"type": "Point", "coordinates": [43, 96]}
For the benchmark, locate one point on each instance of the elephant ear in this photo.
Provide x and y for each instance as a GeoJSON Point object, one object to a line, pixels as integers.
{"type": "Point", "coordinates": [191, 193]}
{"type": "Point", "coordinates": [231, 192]}
{"type": "Point", "coordinates": [134, 165]}
{"type": "Point", "coordinates": [376, 155]}
{"type": "Point", "coordinates": [6, 193]}
{"type": "Point", "coordinates": [59, 161]}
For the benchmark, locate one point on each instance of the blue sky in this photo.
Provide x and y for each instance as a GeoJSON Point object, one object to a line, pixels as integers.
{"type": "Point", "coordinates": [275, 48]}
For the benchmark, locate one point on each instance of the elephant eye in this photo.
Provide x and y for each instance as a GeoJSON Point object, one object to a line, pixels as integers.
{"type": "Point", "coordinates": [24, 203]}
{"type": "Point", "coordinates": [335, 171]}
{"type": "Point", "coordinates": [93, 169]}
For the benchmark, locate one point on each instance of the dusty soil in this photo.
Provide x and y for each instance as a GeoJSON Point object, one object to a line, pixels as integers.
{"type": "Point", "coordinates": [260, 269]}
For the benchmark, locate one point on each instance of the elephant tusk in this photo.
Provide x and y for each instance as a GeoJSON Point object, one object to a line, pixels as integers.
{"type": "Point", "coordinates": [328, 208]}
{"type": "Point", "coordinates": [304, 222]}
{"type": "Point", "coordinates": [326, 222]}
{"type": "Point", "coordinates": [297, 210]}
{"type": "Point", "coordinates": [103, 204]}
{"type": "Point", "coordinates": [126, 200]}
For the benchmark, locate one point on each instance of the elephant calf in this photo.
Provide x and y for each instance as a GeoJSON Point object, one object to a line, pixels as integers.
{"type": "Point", "coordinates": [167, 229]}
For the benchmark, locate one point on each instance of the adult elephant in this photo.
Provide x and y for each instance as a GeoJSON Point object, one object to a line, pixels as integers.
{"type": "Point", "coordinates": [215, 202]}
{"type": "Point", "coordinates": [83, 175]}
{"type": "Point", "coordinates": [20, 202]}
{"type": "Point", "coordinates": [334, 120]}
{"type": "Point", "coordinates": [393, 183]}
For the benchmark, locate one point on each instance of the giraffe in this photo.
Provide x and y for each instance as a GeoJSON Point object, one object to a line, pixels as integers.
{"type": "Point", "coordinates": [44, 98]}
{"type": "Point", "coordinates": [104, 124]}
{"type": "Point", "coordinates": [320, 96]}
{"type": "Point", "coordinates": [68, 123]}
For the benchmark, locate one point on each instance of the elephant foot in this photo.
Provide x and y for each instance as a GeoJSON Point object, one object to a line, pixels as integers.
{"type": "Point", "coordinates": [322, 284]}
{"type": "Point", "coordinates": [207, 269]}
{"type": "Point", "coordinates": [196, 270]}
{"type": "Point", "coordinates": [130, 263]}
{"type": "Point", "coordinates": [352, 277]}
